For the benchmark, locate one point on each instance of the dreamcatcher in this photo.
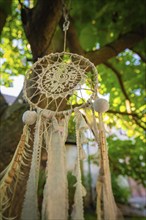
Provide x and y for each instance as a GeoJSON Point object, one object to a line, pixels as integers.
{"type": "Point", "coordinates": [57, 87]}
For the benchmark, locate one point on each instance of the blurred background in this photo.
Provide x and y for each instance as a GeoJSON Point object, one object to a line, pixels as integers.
{"type": "Point", "coordinates": [112, 35]}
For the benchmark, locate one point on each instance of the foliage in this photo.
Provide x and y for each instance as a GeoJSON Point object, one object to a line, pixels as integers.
{"type": "Point", "coordinates": [100, 22]}
{"type": "Point", "coordinates": [71, 187]}
{"type": "Point", "coordinates": [15, 49]}
{"type": "Point", "coordinates": [121, 194]}
{"type": "Point", "coordinates": [42, 179]}
{"type": "Point", "coordinates": [90, 216]}
{"type": "Point", "coordinates": [71, 128]}
{"type": "Point", "coordinates": [128, 158]}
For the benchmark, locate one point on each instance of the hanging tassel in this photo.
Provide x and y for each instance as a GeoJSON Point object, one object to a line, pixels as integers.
{"type": "Point", "coordinates": [83, 125]}
{"type": "Point", "coordinates": [83, 154]}
{"type": "Point", "coordinates": [12, 176]}
{"type": "Point", "coordinates": [84, 191]}
{"type": "Point", "coordinates": [99, 186]}
{"type": "Point", "coordinates": [30, 205]}
{"type": "Point", "coordinates": [78, 212]}
{"type": "Point", "coordinates": [110, 209]}
{"type": "Point", "coordinates": [84, 140]}
{"type": "Point", "coordinates": [55, 195]}
{"type": "Point", "coordinates": [104, 188]}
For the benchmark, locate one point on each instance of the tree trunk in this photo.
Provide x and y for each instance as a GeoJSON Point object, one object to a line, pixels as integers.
{"type": "Point", "coordinates": [5, 9]}
{"type": "Point", "coordinates": [10, 131]}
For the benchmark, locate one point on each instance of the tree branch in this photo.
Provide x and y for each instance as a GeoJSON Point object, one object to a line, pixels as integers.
{"type": "Point", "coordinates": [114, 112]}
{"type": "Point", "coordinates": [117, 73]}
{"type": "Point", "coordinates": [21, 4]}
{"type": "Point", "coordinates": [73, 40]}
{"type": "Point", "coordinates": [140, 125]}
{"type": "Point", "coordinates": [128, 105]}
{"type": "Point", "coordinates": [127, 40]}
{"type": "Point", "coordinates": [134, 116]}
{"type": "Point", "coordinates": [101, 55]}
{"type": "Point", "coordinates": [123, 113]}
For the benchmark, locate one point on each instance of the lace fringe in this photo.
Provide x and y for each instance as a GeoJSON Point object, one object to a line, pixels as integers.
{"type": "Point", "coordinates": [30, 205]}
{"type": "Point", "coordinates": [55, 202]}
{"type": "Point", "coordinates": [78, 211]}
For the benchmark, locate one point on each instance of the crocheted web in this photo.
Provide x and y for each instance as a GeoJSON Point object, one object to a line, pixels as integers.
{"type": "Point", "coordinates": [59, 81]}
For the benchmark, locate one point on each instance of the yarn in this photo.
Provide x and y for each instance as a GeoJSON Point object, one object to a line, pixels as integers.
{"type": "Point", "coordinates": [58, 78]}
{"type": "Point", "coordinates": [29, 117]}
{"type": "Point", "coordinates": [101, 105]}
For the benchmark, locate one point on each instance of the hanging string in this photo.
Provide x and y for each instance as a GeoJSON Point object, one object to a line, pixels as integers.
{"type": "Point", "coordinates": [65, 24]}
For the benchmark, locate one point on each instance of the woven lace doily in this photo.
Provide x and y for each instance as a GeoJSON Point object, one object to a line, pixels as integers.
{"type": "Point", "coordinates": [60, 81]}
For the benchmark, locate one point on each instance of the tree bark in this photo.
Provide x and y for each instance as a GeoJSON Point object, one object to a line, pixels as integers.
{"type": "Point", "coordinates": [3, 104]}
{"type": "Point", "coordinates": [40, 24]}
{"type": "Point", "coordinates": [10, 131]}
{"type": "Point", "coordinates": [5, 9]}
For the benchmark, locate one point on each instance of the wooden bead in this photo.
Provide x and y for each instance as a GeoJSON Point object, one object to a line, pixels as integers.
{"type": "Point", "coordinates": [29, 117]}
{"type": "Point", "coordinates": [101, 105]}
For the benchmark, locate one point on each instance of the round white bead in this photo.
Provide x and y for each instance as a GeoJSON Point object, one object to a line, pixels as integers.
{"type": "Point", "coordinates": [29, 117]}
{"type": "Point", "coordinates": [101, 105]}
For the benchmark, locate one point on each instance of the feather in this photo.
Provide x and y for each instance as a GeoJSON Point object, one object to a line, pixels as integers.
{"type": "Point", "coordinates": [12, 175]}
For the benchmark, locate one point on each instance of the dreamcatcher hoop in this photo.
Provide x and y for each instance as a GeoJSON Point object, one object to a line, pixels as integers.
{"type": "Point", "coordinates": [59, 78]}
